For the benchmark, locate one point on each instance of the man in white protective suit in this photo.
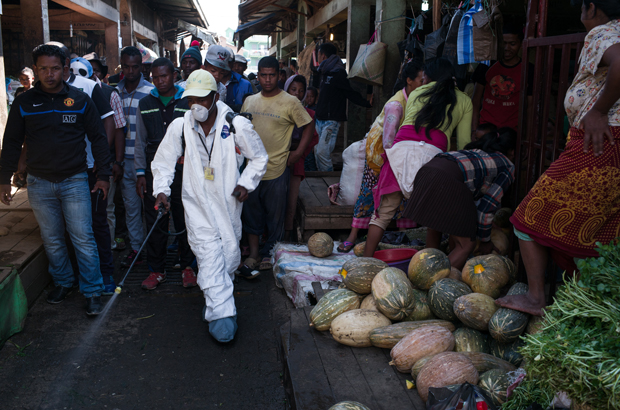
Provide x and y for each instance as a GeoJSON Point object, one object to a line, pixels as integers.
{"type": "Point", "coordinates": [213, 191]}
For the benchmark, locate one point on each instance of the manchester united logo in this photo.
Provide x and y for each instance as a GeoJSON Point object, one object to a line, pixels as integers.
{"type": "Point", "coordinates": [69, 102]}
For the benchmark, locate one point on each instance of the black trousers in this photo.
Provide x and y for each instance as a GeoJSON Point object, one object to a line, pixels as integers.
{"type": "Point", "coordinates": [101, 229]}
{"type": "Point", "coordinates": [156, 247]}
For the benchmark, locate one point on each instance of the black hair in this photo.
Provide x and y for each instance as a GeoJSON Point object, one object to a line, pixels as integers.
{"type": "Point", "coordinates": [63, 48]}
{"type": "Point", "coordinates": [503, 140]}
{"type": "Point", "coordinates": [294, 63]}
{"type": "Point", "coordinates": [512, 27]}
{"type": "Point", "coordinates": [301, 80]}
{"type": "Point", "coordinates": [131, 51]}
{"type": "Point", "coordinates": [487, 127]}
{"type": "Point", "coordinates": [314, 90]}
{"type": "Point", "coordinates": [269, 62]}
{"type": "Point", "coordinates": [251, 76]}
{"type": "Point", "coordinates": [328, 49]}
{"type": "Point", "coordinates": [49, 51]}
{"type": "Point", "coordinates": [440, 97]}
{"type": "Point", "coordinates": [611, 8]}
{"type": "Point", "coordinates": [163, 62]}
{"type": "Point", "coordinates": [282, 71]}
{"type": "Point", "coordinates": [27, 71]}
{"type": "Point", "coordinates": [411, 70]}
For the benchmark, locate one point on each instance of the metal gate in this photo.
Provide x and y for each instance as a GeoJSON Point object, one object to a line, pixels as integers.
{"type": "Point", "coordinates": [542, 135]}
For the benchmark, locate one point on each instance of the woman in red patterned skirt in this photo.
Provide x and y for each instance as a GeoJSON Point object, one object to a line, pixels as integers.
{"type": "Point", "coordinates": [576, 202]}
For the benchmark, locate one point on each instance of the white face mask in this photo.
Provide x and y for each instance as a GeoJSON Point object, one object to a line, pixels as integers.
{"type": "Point", "coordinates": [200, 112]}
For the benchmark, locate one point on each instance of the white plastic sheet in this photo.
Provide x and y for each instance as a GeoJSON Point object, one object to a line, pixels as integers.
{"type": "Point", "coordinates": [295, 269]}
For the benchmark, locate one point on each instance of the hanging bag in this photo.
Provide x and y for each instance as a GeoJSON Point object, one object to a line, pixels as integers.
{"type": "Point", "coordinates": [369, 64]}
{"type": "Point", "coordinates": [434, 42]}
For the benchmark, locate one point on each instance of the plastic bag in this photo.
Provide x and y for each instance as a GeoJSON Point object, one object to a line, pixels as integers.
{"type": "Point", "coordinates": [353, 159]}
{"type": "Point", "coordinates": [434, 42]}
{"type": "Point", "coordinates": [369, 64]}
{"type": "Point", "coordinates": [463, 397]}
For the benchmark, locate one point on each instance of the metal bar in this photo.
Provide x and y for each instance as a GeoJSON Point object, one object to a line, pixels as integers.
{"type": "Point", "coordinates": [562, 87]}
{"type": "Point", "coordinates": [546, 97]}
{"type": "Point", "coordinates": [555, 40]}
{"type": "Point", "coordinates": [523, 108]}
{"type": "Point", "coordinates": [534, 115]}
{"type": "Point", "coordinates": [542, 18]}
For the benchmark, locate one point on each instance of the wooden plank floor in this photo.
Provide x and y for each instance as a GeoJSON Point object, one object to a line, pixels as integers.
{"type": "Point", "coordinates": [320, 372]}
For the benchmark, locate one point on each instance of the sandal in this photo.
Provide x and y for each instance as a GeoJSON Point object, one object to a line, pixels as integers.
{"type": "Point", "coordinates": [265, 264]}
{"type": "Point", "coordinates": [250, 263]}
{"type": "Point", "coordinates": [345, 247]}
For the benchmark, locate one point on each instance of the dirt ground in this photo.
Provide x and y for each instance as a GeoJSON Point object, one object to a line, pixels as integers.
{"type": "Point", "coordinates": [152, 351]}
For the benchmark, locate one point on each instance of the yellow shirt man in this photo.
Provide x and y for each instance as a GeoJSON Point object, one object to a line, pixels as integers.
{"type": "Point", "coordinates": [274, 119]}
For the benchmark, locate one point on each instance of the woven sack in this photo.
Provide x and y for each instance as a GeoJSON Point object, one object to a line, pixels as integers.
{"type": "Point", "coordinates": [369, 64]}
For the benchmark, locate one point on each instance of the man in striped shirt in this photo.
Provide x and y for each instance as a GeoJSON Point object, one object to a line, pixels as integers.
{"type": "Point", "coordinates": [132, 88]}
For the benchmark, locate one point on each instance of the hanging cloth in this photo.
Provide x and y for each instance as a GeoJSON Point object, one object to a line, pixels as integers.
{"type": "Point", "coordinates": [465, 41]}
{"type": "Point", "coordinates": [450, 46]}
{"type": "Point", "coordinates": [485, 33]}
{"type": "Point", "coordinates": [434, 42]}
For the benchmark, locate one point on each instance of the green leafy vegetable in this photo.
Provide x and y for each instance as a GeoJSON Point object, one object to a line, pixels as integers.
{"type": "Point", "coordinates": [578, 349]}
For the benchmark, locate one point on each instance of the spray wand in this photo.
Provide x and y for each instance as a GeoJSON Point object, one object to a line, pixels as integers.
{"type": "Point", "coordinates": [161, 210]}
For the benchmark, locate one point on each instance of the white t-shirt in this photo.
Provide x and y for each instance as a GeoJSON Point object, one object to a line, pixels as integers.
{"type": "Point", "coordinates": [87, 86]}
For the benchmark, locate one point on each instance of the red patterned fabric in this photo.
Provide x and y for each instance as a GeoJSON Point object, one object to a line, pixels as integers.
{"type": "Point", "coordinates": [576, 202]}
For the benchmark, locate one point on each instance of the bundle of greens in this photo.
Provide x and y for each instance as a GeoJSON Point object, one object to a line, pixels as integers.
{"type": "Point", "coordinates": [578, 350]}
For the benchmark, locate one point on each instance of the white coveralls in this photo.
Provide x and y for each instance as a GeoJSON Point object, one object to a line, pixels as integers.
{"type": "Point", "coordinates": [212, 214]}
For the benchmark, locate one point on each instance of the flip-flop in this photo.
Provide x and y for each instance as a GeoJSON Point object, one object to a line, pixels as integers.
{"type": "Point", "coordinates": [346, 247]}
{"type": "Point", "coordinates": [265, 264]}
{"type": "Point", "coordinates": [251, 263]}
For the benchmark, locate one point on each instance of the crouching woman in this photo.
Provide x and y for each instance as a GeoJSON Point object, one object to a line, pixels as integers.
{"type": "Point", "coordinates": [459, 192]}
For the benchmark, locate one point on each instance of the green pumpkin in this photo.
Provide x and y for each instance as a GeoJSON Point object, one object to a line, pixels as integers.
{"type": "Point", "coordinates": [484, 362]}
{"type": "Point", "coordinates": [442, 294]}
{"type": "Point", "coordinates": [387, 337]}
{"type": "Point", "coordinates": [332, 305]}
{"type": "Point", "coordinates": [502, 217]}
{"type": "Point", "coordinates": [393, 293]}
{"type": "Point", "coordinates": [470, 340]}
{"type": "Point", "coordinates": [506, 325]}
{"type": "Point", "coordinates": [507, 351]}
{"type": "Point", "coordinates": [428, 266]}
{"type": "Point", "coordinates": [320, 245]}
{"type": "Point", "coordinates": [486, 274]}
{"type": "Point", "coordinates": [422, 310]}
{"type": "Point", "coordinates": [475, 310]}
{"type": "Point", "coordinates": [359, 272]}
{"type": "Point", "coordinates": [496, 383]}
{"type": "Point", "coordinates": [349, 405]}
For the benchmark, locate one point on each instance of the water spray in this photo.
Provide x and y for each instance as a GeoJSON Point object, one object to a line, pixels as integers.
{"type": "Point", "coordinates": [161, 210]}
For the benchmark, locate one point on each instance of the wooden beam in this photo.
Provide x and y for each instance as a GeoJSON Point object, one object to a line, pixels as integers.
{"type": "Point", "coordinates": [291, 10]}
{"type": "Point", "coordinates": [436, 14]}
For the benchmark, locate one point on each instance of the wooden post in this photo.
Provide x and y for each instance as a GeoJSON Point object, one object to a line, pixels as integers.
{"type": "Point", "coordinates": [33, 23]}
{"type": "Point", "coordinates": [45, 20]}
{"type": "Point", "coordinates": [4, 113]}
{"type": "Point", "coordinates": [436, 14]}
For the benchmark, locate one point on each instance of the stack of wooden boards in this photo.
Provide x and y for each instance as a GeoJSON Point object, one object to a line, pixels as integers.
{"type": "Point", "coordinates": [21, 247]}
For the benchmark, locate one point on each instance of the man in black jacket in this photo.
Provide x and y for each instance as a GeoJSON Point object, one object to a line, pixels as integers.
{"type": "Point", "coordinates": [155, 112]}
{"type": "Point", "coordinates": [331, 108]}
{"type": "Point", "coordinates": [53, 119]}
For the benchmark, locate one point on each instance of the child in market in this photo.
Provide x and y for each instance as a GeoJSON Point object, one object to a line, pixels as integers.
{"type": "Point", "coordinates": [296, 86]}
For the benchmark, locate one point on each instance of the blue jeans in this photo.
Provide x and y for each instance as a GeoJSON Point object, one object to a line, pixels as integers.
{"type": "Point", "coordinates": [67, 202]}
{"type": "Point", "coordinates": [328, 131]}
{"type": "Point", "coordinates": [133, 206]}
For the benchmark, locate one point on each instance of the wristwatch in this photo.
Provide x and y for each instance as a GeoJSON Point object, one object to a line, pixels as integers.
{"type": "Point", "coordinates": [120, 163]}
